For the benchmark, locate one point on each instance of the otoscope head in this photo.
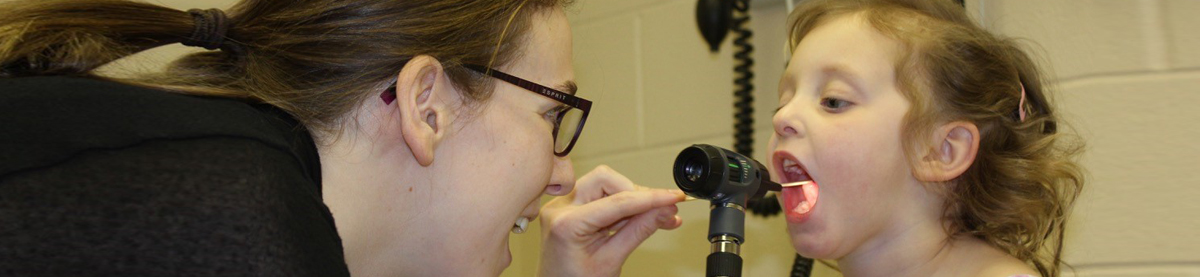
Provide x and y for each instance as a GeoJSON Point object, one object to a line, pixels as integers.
{"type": "Point", "coordinates": [698, 171]}
{"type": "Point", "coordinates": [723, 176]}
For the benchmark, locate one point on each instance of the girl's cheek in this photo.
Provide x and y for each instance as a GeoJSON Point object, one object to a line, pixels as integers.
{"type": "Point", "coordinates": [837, 158]}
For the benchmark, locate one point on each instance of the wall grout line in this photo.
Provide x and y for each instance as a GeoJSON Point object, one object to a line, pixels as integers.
{"type": "Point", "coordinates": [1136, 264]}
{"type": "Point", "coordinates": [639, 91]}
{"type": "Point", "coordinates": [982, 12]}
{"type": "Point", "coordinates": [1154, 26]}
{"type": "Point", "coordinates": [1125, 76]}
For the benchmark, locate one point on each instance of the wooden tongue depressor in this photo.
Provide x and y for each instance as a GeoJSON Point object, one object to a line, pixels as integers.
{"type": "Point", "coordinates": [788, 185]}
{"type": "Point", "coordinates": [796, 184]}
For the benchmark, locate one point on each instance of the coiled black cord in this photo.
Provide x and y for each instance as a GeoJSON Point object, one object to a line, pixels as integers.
{"type": "Point", "coordinates": [743, 106]}
{"type": "Point", "coordinates": [801, 267]}
{"type": "Point", "coordinates": [766, 207]}
{"type": "Point", "coordinates": [744, 118]}
{"type": "Point", "coordinates": [743, 94]}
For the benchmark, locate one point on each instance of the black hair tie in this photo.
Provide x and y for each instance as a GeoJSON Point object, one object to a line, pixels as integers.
{"type": "Point", "coordinates": [210, 29]}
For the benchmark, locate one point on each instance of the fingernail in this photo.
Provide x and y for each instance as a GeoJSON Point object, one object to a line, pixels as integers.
{"type": "Point", "coordinates": [675, 194]}
{"type": "Point", "coordinates": [663, 217]}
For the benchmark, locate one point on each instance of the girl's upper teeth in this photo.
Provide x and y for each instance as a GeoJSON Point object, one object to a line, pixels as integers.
{"type": "Point", "coordinates": [791, 167]}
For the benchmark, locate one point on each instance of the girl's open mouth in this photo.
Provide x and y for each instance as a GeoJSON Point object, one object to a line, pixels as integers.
{"type": "Point", "coordinates": [799, 201]}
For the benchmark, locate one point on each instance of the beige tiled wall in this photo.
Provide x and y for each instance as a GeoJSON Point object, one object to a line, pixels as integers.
{"type": "Point", "coordinates": [1128, 79]}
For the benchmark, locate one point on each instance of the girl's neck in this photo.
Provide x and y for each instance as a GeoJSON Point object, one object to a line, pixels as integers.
{"type": "Point", "coordinates": [913, 243]}
{"type": "Point", "coordinates": [923, 253]}
{"type": "Point", "coordinates": [916, 248]}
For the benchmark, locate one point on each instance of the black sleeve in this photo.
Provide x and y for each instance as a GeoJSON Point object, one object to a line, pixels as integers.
{"type": "Point", "coordinates": [215, 206]}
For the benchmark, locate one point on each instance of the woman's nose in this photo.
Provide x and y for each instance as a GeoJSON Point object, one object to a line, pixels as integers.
{"type": "Point", "coordinates": [562, 179]}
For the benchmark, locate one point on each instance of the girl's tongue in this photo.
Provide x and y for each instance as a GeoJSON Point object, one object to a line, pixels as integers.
{"type": "Point", "coordinates": [799, 201]}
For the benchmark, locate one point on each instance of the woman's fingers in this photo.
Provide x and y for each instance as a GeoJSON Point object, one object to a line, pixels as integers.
{"type": "Point", "coordinates": [667, 218]}
{"type": "Point", "coordinates": [594, 228]}
{"type": "Point", "coordinates": [639, 228]}
{"type": "Point", "coordinates": [607, 211]}
{"type": "Point", "coordinates": [599, 183]}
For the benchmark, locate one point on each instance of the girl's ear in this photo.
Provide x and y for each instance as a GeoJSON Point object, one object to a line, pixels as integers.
{"type": "Point", "coordinates": [955, 145]}
{"type": "Point", "coordinates": [422, 99]}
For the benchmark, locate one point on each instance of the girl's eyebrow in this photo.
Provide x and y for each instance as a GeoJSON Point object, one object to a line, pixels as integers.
{"type": "Point", "coordinates": [838, 70]}
{"type": "Point", "coordinates": [843, 72]}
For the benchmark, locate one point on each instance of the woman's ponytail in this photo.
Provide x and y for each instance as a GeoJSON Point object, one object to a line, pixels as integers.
{"type": "Point", "coordinates": [316, 59]}
{"type": "Point", "coordinates": [74, 37]}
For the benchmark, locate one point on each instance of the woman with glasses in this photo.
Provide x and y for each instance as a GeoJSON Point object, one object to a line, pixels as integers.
{"type": "Point", "coordinates": [318, 138]}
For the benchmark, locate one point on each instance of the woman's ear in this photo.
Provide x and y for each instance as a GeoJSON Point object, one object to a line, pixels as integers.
{"type": "Point", "coordinates": [422, 96]}
{"type": "Point", "coordinates": [955, 145]}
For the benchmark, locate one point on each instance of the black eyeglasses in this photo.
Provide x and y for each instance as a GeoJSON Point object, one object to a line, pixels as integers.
{"type": "Point", "coordinates": [567, 122]}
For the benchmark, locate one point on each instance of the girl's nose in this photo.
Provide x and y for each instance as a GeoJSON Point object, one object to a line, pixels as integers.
{"type": "Point", "coordinates": [787, 121]}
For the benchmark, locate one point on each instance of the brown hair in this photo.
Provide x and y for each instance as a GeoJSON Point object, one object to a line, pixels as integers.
{"type": "Point", "coordinates": [315, 59]}
{"type": "Point", "coordinates": [1020, 188]}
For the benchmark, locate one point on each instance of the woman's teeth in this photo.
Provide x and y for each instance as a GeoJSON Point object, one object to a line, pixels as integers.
{"type": "Point", "coordinates": [522, 223]}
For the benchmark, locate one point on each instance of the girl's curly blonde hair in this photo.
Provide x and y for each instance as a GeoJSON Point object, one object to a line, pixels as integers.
{"type": "Point", "coordinates": [1020, 188]}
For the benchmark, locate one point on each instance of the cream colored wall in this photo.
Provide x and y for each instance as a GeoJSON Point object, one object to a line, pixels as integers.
{"type": "Point", "coordinates": [1128, 74]}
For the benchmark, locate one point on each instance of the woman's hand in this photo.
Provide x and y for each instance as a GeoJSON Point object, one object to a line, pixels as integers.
{"type": "Point", "coordinates": [591, 231]}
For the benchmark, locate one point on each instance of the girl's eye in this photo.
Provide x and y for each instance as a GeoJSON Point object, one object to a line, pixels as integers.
{"type": "Point", "coordinates": [834, 104]}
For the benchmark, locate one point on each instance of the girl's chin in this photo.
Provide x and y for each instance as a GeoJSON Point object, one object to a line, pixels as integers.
{"type": "Point", "coordinates": [811, 251]}
{"type": "Point", "coordinates": [808, 243]}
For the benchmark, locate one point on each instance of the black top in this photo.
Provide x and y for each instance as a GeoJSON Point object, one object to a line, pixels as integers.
{"type": "Point", "coordinates": [105, 179]}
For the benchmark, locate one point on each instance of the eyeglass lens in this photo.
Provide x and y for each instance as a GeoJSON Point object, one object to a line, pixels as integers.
{"type": "Point", "coordinates": [567, 128]}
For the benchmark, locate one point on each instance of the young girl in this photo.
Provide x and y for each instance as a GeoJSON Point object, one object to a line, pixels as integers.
{"type": "Point", "coordinates": [930, 142]}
